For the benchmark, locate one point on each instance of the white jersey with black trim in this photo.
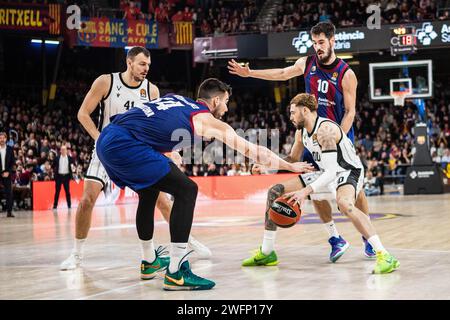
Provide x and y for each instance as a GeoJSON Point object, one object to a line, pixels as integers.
{"type": "Point", "coordinates": [346, 153]}
{"type": "Point", "coordinates": [121, 97]}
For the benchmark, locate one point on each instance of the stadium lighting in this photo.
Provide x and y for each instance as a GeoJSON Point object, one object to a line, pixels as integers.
{"type": "Point", "coordinates": [345, 56]}
{"type": "Point", "coordinates": [54, 42]}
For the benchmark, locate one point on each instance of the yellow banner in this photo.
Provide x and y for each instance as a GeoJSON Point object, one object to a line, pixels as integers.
{"type": "Point", "coordinates": [184, 33]}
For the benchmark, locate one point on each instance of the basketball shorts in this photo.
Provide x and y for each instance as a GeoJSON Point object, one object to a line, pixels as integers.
{"type": "Point", "coordinates": [96, 172]}
{"type": "Point", "coordinates": [353, 177]}
{"type": "Point", "coordinates": [128, 161]}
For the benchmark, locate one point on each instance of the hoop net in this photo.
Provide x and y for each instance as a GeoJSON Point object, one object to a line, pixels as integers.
{"type": "Point", "coordinates": [399, 97]}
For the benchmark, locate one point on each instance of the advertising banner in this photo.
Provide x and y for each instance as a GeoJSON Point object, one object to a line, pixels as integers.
{"type": "Point", "coordinates": [31, 17]}
{"type": "Point", "coordinates": [119, 33]}
{"type": "Point", "coordinates": [210, 188]}
{"type": "Point", "coordinates": [433, 34]}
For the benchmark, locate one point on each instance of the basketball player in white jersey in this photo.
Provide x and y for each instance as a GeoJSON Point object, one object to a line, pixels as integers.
{"type": "Point", "coordinates": [341, 175]}
{"type": "Point", "coordinates": [116, 93]}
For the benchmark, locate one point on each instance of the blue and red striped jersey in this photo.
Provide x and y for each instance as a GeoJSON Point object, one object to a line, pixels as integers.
{"type": "Point", "coordinates": [325, 83]}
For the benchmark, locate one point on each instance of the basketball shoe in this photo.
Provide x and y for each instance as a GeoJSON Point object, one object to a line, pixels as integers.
{"type": "Point", "coordinates": [185, 279]}
{"type": "Point", "coordinates": [368, 250]}
{"type": "Point", "coordinates": [338, 248]}
{"type": "Point", "coordinates": [199, 248]}
{"type": "Point", "coordinates": [386, 263]}
{"type": "Point", "coordinates": [72, 262]}
{"type": "Point", "coordinates": [161, 262]}
{"type": "Point", "coordinates": [261, 259]}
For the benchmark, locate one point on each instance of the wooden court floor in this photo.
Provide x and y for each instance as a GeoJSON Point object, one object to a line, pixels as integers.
{"type": "Point", "coordinates": [416, 229]}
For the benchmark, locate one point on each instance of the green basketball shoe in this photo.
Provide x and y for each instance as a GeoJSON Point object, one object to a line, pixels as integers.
{"type": "Point", "coordinates": [184, 279]}
{"type": "Point", "coordinates": [386, 263]}
{"type": "Point", "coordinates": [260, 259]}
{"type": "Point", "coordinates": [149, 270]}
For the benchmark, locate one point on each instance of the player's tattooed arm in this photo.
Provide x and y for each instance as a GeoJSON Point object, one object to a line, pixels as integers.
{"type": "Point", "coordinates": [275, 192]}
{"type": "Point", "coordinates": [327, 135]}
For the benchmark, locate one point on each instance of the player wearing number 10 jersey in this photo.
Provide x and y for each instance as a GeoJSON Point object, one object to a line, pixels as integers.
{"type": "Point", "coordinates": [334, 85]}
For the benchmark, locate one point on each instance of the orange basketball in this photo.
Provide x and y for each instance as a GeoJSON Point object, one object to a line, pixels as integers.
{"type": "Point", "coordinates": [283, 214]}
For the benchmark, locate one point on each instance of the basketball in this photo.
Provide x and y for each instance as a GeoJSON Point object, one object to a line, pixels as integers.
{"type": "Point", "coordinates": [284, 214]}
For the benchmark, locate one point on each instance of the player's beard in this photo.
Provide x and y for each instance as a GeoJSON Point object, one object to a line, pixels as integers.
{"type": "Point", "coordinates": [325, 57]}
{"type": "Point", "coordinates": [300, 125]}
{"type": "Point", "coordinates": [137, 76]}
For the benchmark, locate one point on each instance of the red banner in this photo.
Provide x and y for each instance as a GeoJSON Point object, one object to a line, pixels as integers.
{"type": "Point", "coordinates": [29, 17]}
{"type": "Point", "coordinates": [219, 188]}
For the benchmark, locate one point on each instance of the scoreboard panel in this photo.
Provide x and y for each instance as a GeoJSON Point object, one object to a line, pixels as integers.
{"type": "Point", "coordinates": [403, 40]}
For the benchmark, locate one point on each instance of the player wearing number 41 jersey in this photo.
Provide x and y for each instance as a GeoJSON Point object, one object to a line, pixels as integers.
{"type": "Point", "coordinates": [117, 93]}
{"type": "Point", "coordinates": [130, 149]}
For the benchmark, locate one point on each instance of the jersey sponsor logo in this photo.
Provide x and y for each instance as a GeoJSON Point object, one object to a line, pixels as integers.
{"type": "Point", "coordinates": [118, 88]}
{"type": "Point", "coordinates": [325, 102]}
{"type": "Point", "coordinates": [314, 138]}
{"type": "Point", "coordinates": [334, 77]}
{"type": "Point", "coordinates": [143, 93]}
{"type": "Point", "coordinates": [313, 69]}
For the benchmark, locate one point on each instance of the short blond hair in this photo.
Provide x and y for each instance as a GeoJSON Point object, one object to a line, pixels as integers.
{"type": "Point", "coordinates": [305, 100]}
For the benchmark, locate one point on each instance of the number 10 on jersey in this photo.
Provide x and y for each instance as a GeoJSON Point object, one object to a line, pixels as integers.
{"type": "Point", "coordinates": [322, 86]}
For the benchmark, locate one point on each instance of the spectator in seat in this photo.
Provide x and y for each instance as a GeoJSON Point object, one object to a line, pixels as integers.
{"type": "Point", "coordinates": [187, 14]}
{"type": "Point", "coordinates": [177, 17]}
{"type": "Point", "coordinates": [371, 185]}
{"type": "Point", "coordinates": [22, 185]}
{"type": "Point", "coordinates": [133, 12]}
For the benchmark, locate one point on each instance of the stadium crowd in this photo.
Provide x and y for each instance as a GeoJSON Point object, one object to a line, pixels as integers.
{"type": "Point", "coordinates": [215, 17]}
{"type": "Point", "coordinates": [297, 14]}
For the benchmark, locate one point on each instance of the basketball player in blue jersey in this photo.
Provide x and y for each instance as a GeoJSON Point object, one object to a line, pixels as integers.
{"type": "Point", "coordinates": [131, 149]}
{"type": "Point", "coordinates": [115, 93]}
{"type": "Point", "coordinates": [333, 84]}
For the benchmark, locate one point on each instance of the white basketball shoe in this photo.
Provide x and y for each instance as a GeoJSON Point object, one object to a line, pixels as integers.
{"type": "Point", "coordinates": [72, 262]}
{"type": "Point", "coordinates": [200, 249]}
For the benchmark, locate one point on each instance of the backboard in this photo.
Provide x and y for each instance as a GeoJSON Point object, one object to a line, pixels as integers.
{"type": "Point", "coordinates": [387, 77]}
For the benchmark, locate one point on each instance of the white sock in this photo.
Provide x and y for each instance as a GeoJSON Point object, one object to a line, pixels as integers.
{"type": "Point", "coordinates": [376, 243]}
{"type": "Point", "coordinates": [177, 252]}
{"type": "Point", "coordinates": [268, 241]}
{"type": "Point", "coordinates": [331, 228]}
{"type": "Point", "coordinates": [79, 246]}
{"type": "Point", "coordinates": [147, 250]}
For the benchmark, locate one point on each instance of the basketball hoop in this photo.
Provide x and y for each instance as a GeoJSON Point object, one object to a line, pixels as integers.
{"type": "Point", "coordinates": [399, 97]}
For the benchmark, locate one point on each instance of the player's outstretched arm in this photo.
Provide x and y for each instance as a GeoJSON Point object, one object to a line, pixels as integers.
{"type": "Point", "coordinates": [280, 74]}
{"type": "Point", "coordinates": [99, 90]}
{"type": "Point", "coordinates": [294, 155]}
{"type": "Point", "coordinates": [208, 126]}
